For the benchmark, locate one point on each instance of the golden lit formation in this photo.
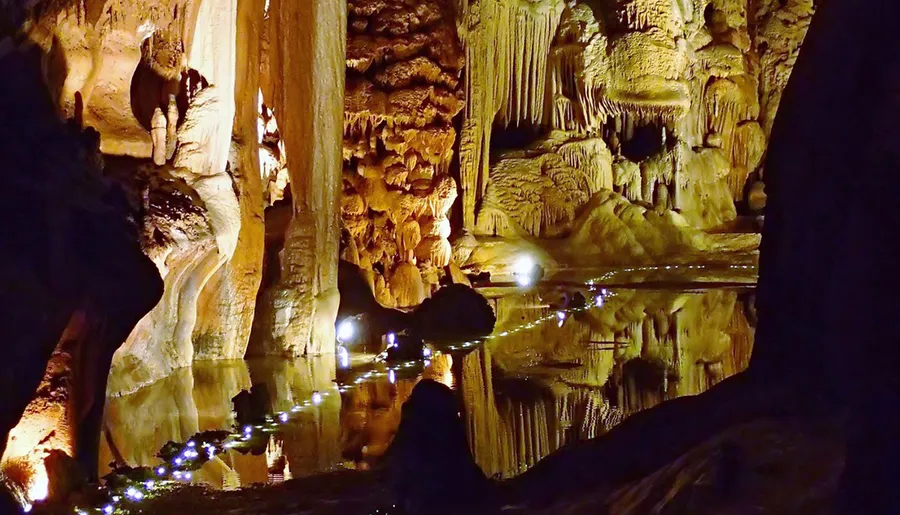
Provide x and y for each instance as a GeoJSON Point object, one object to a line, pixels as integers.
{"type": "Point", "coordinates": [592, 173]}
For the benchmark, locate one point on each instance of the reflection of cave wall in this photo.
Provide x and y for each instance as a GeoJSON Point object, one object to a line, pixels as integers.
{"type": "Point", "coordinates": [639, 349]}
{"type": "Point", "coordinates": [197, 399]}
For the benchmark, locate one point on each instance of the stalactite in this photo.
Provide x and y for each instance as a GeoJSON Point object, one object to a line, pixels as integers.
{"type": "Point", "coordinates": [593, 157]}
{"type": "Point", "coordinates": [507, 47]}
{"type": "Point", "coordinates": [399, 135]}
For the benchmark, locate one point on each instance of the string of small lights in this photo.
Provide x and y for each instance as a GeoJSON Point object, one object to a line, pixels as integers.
{"type": "Point", "coordinates": [127, 491]}
{"type": "Point", "coordinates": [139, 484]}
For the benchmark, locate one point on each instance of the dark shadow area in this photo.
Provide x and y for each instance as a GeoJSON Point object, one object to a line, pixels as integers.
{"type": "Point", "coordinates": [73, 274]}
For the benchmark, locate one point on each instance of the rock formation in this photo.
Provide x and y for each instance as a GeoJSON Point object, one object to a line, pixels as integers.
{"type": "Point", "coordinates": [75, 282]}
{"type": "Point", "coordinates": [243, 145]}
{"type": "Point", "coordinates": [305, 79]}
{"type": "Point", "coordinates": [403, 92]}
{"type": "Point", "coordinates": [170, 90]}
{"type": "Point", "coordinates": [668, 104]}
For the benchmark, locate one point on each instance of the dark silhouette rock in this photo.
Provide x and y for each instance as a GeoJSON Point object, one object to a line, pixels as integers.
{"type": "Point", "coordinates": [429, 460]}
{"type": "Point", "coordinates": [454, 312]}
{"type": "Point", "coordinates": [75, 268]}
{"type": "Point", "coordinates": [251, 407]}
{"type": "Point", "coordinates": [405, 348]}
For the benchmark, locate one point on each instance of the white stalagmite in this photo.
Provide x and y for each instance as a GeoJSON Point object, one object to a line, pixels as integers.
{"type": "Point", "coordinates": [307, 61]}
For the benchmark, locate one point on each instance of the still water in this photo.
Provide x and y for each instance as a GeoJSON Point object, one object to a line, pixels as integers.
{"type": "Point", "coordinates": [547, 377]}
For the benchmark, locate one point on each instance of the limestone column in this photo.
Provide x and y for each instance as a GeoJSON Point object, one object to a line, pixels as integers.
{"type": "Point", "coordinates": [307, 62]}
{"type": "Point", "coordinates": [227, 303]}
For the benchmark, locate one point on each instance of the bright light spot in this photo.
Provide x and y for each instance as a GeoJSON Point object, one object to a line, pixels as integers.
{"type": "Point", "coordinates": [599, 301]}
{"type": "Point", "coordinates": [391, 376]}
{"type": "Point", "coordinates": [161, 470]}
{"type": "Point", "coordinates": [134, 493]}
{"type": "Point", "coordinates": [150, 484]}
{"type": "Point", "coordinates": [177, 474]}
{"type": "Point", "coordinates": [524, 265]}
{"type": "Point", "coordinates": [346, 330]}
{"type": "Point", "coordinates": [108, 509]}
{"type": "Point", "coordinates": [27, 507]}
{"type": "Point", "coordinates": [316, 398]}
{"type": "Point", "coordinates": [561, 316]}
{"type": "Point", "coordinates": [248, 430]}
{"type": "Point", "coordinates": [211, 453]}
{"type": "Point", "coordinates": [39, 488]}
{"type": "Point", "coordinates": [178, 461]}
{"type": "Point", "coordinates": [343, 357]}
{"type": "Point", "coordinates": [524, 270]}
{"type": "Point", "coordinates": [188, 476]}
{"type": "Point", "coordinates": [391, 339]}
{"type": "Point", "coordinates": [426, 351]}
{"type": "Point", "coordinates": [191, 444]}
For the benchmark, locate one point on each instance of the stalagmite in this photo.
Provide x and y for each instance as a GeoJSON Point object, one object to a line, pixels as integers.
{"type": "Point", "coordinates": [158, 134]}
{"type": "Point", "coordinates": [307, 60]}
{"type": "Point", "coordinates": [171, 127]}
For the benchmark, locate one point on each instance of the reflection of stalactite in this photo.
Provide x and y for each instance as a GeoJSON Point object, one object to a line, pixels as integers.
{"type": "Point", "coordinates": [509, 434]}
{"type": "Point", "coordinates": [276, 460]}
{"type": "Point", "coordinates": [638, 350]}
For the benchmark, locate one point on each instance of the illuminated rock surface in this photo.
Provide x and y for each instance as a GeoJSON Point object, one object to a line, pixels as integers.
{"type": "Point", "coordinates": [245, 144]}
{"type": "Point", "coordinates": [403, 91]}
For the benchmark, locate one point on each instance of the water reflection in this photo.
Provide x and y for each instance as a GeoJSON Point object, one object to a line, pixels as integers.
{"type": "Point", "coordinates": [524, 395]}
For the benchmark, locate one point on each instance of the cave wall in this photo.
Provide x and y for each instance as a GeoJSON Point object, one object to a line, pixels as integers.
{"type": "Point", "coordinates": [668, 104]}
{"type": "Point", "coordinates": [404, 63]}
{"type": "Point", "coordinates": [75, 282]}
